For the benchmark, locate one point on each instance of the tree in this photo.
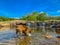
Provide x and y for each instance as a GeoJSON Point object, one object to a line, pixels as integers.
{"type": "Point", "coordinates": [34, 16]}
{"type": "Point", "coordinates": [42, 16]}
{"type": "Point", "coordinates": [23, 17]}
{"type": "Point", "coordinates": [3, 18]}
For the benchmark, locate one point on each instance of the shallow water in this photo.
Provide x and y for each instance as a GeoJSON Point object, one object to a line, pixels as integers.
{"type": "Point", "coordinates": [7, 37]}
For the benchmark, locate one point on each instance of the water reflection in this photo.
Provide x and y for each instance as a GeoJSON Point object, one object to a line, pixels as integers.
{"type": "Point", "coordinates": [24, 41]}
{"type": "Point", "coordinates": [8, 34]}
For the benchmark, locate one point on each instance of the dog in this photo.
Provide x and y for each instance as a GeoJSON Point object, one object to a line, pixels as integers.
{"type": "Point", "coordinates": [21, 28]}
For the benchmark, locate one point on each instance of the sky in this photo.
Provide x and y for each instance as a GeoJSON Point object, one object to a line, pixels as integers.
{"type": "Point", "coordinates": [17, 8]}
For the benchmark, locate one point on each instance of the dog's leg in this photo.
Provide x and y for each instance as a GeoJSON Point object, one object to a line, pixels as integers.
{"type": "Point", "coordinates": [21, 32]}
{"type": "Point", "coordinates": [26, 32]}
{"type": "Point", "coordinates": [16, 33]}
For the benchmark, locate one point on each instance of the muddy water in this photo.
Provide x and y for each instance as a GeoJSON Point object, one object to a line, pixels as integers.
{"type": "Point", "coordinates": [7, 37]}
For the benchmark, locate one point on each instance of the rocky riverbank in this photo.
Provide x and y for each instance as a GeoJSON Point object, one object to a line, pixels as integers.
{"type": "Point", "coordinates": [4, 24]}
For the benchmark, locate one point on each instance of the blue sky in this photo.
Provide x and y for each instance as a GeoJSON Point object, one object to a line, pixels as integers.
{"type": "Point", "coordinates": [17, 8]}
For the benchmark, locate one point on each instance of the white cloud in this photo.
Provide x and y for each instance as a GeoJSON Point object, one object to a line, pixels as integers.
{"type": "Point", "coordinates": [16, 18]}
{"type": "Point", "coordinates": [41, 12]}
{"type": "Point", "coordinates": [58, 10]}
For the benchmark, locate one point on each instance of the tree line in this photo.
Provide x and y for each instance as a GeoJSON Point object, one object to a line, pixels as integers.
{"type": "Point", "coordinates": [34, 16]}
{"type": "Point", "coordinates": [3, 18]}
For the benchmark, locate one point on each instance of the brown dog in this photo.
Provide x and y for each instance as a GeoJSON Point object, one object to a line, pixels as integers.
{"type": "Point", "coordinates": [21, 28]}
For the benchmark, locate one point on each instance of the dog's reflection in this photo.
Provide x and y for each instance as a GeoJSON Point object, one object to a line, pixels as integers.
{"type": "Point", "coordinates": [23, 40]}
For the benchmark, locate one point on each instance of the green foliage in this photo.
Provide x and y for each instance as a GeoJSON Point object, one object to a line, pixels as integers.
{"type": "Point", "coordinates": [42, 17]}
{"type": "Point", "coordinates": [23, 18]}
{"type": "Point", "coordinates": [2, 18]}
{"type": "Point", "coordinates": [57, 18]}
{"type": "Point", "coordinates": [34, 16]}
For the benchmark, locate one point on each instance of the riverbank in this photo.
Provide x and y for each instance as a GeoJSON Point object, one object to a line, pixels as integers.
{"type": "Point", "coordinates": [4, 24]}
{"type": "Point", "coordinates": [8, 23]}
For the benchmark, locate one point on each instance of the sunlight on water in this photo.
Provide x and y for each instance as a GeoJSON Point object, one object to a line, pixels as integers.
{"type": "Point", "coordinates": [40, 37]}
{"type": "Point", "coordinates": [24, 41]}
{"type": "Point", "coordinates": [6, 34]}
